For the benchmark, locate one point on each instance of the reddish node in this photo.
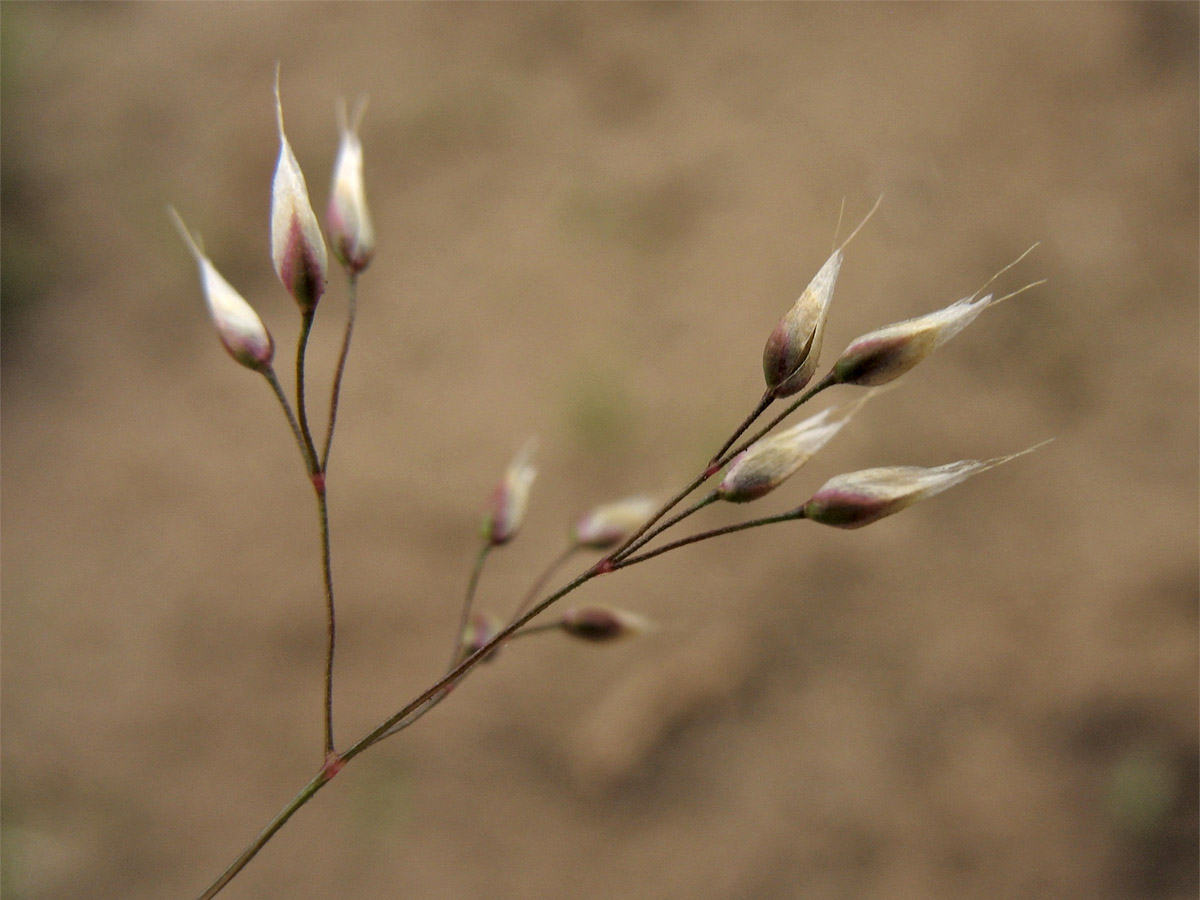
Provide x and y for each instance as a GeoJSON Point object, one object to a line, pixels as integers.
{"type": "Point", "coordinates": [333, 765]}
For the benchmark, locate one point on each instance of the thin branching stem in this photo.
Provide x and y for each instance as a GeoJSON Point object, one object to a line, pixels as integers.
{"type": "Point", "coordinates": [789, 516]}
{"type": "Point", "coordinates": [662, 511]}
{"type": "Point", "coordinates": [306, 324]}
{"type": "Point", "coordinates": [322, 778]}
{"type": "Point", "coordinates": [433, 695]}
{"type": "Point", "coordinates": [459, 667]}
{"type": "Point", "coordinates": [540, 583]}
{"type": "Point", "coordinates": [456, 674]}
{"type": "Point", "coordinates": [768, 398]}
{"type": "Point", "coordinates": [537, 629]}
{"type": "Point", "coordinates": [718, 462]}
{"type": "Point", "coordinates": [317, 475]}
{"type": "Point", "coordinates": [352, 307]}
{"type": "Point", "coordinates": [827, 381]}
{"type": "Point", "coordinates": [468, 602]}
{"type": "Point", "coordinates": [654, 532]}
{"type": "Point", "coordinates": [273, 381]}
{"type": "Point", "coordinates": [330, 618]}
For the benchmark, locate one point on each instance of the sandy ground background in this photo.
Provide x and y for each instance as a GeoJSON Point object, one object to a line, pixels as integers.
{"type": "Point", "coordinates": [589, 219]}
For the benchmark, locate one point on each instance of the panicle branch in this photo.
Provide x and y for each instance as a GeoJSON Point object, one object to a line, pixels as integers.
{"type": "Point", "coordinates": [619, 534]}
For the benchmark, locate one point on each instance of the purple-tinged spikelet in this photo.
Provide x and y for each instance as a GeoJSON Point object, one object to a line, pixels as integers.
{"type": "Point", "coordinates": [600, 624]}
{"type": "Point", "coordinates": [887, 353]}
{"type": "Point", "coordinates": [510, 499]}
{"type": "Point", "coordinates": [351, 233]}
{"type": "Point", "coordinates": [238, 326]}
{"type": "Point", "coordinates": [793, 349]}
{"type": "Point", "coordinates": [770, 461]}
{"type": "Point", "coordinates": [860, 498]}
{"type": "Point", "coordinates": [297, 247]}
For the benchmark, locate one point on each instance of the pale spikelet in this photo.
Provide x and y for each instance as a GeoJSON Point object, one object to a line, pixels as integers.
{"type": "Point", "coordinates": [769, 462]}
{"type": "Point", "coordinates": [887, 353]}
{"type": "Point", "coordinates": [511, 498]}
{"type": "Point", "coordinates": [238, 325]}
{"type": "Point", "coordinates": [606, 526]}
{"type": "Point", "coordinates": [599, 624]}
{"type": "Point", "coordinates": [793, 349]}
{"type": "Point", "coordinates": [351, 233]}
{"type": "Point", "coordinates": [297, 248]}
{"type": "Point", "coordinates": [860, 498]}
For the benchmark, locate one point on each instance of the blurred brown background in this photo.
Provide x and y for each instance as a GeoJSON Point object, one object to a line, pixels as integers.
{"type": "Point", "coordinates": [589, 219]}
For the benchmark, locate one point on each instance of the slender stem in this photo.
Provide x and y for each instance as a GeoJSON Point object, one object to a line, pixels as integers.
{"type": "Point", "coordinates": [533, 592]}
{"type": "Point", "coordinates": [273, 380]}
{"type": "Point", "coordinates": [317, 475]}
{"type": "Point", "coordinates": [663, 510]}
{"type": "Point", "coordinates": [767, 398]}
{"type": "Point", "coordinates": [330, 618]}
{"type": "Point", "coordinates": [468, 602]}
{"type": "Point", "coordinates": [791, 515]}
{"type": "Point", "coordinates": [341, 368]}
{"type": "Point", "coordinates": [540, 583]}
{"type": "Point", "coordinates": [434, 694]}
{"type": "Point", "coordinates": [674, 520]}
{"type": "Point", "coordinates": [537, 629]}
{"type": "Point", "coordinates": [306, 323]}
{"type": "Point", "coordinates": [827, 381]}
{"type": "Point", "coordinates": [322, 778]}
{"type": "Point", "coordinates": [456, 674]}
{"type": "Point", "coordinates": [414, 716]}
{"type": "Point", "coordinates": [717, 463]}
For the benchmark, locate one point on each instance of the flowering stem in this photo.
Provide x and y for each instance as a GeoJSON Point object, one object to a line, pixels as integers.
{"type": "Point", "coordinates": [536, 587]}
{"type": "Point", "coordinates": [341, 367]}
{"type": "Point", "coordinates": [433, 695]}
{"type": "Point", "coordinates": [767, 398]}
{"type": "Point", "coordinates": [456, 674]}
{"type": "Point", "coordinates": [306, 323]}
{"type": "Point", "coordinates": [663, 510]}
{"type": "Point", "coordinates": [537, 629]}
{"type": "Point", "coordinates": [791, 515]}
{"type": "Point", "coordinates": [316, 472]}
{"type": "Point", "coordinates": [321, 779]}
{"type": "Point", "coordinates": [469, 601]}
{"type": "Point", "coordinates": [330, 620]}
{"type": "Point", "coordinates": [718, 462]}
{"type": "Point", "coordinates": [652, 533]}
{"type": "Point", "coordinates": [827, 381]}
{"type": "Point", "coordinates": [273, 380]}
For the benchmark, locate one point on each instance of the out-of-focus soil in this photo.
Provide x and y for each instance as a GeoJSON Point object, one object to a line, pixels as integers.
{"type": "Point", "coordinates": [589, 219]}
